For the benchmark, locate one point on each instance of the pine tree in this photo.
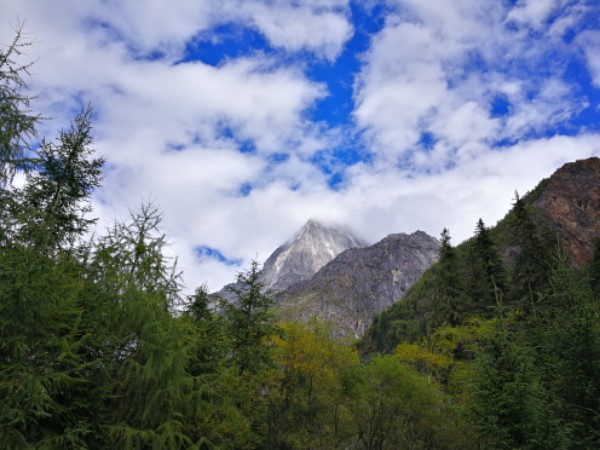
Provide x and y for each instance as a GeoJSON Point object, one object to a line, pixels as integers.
{"type": "Point", "coordinates": [17, 122]}
{"type": "Point", "coordinates": [56, 196]}
{"type": "Point", "coordinates": [508, 402]}
{"type": "Point", "coordinates": [487, 272]}
{"type": "Point", "coordinates": [449, 291]}
{"type": "Point", "coordinates": [250, 321]}
{"type": "Point", "coordinates": [566, 329]}
{"type": "Point", "coordinates": [529, 274]}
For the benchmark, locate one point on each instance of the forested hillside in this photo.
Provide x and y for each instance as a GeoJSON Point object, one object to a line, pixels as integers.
{"type": "Point", "coordinates": [509, 320]}
{"type": "Point", "coordinates": [99, 349]}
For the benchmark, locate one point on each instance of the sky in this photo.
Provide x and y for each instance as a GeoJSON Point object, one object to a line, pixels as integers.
{"type": "Point", "coordinates": [242, 119]}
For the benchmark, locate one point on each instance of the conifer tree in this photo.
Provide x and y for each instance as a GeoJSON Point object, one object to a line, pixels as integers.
{"type": "Point", "coordinates": [249, 321]}
{"type": "Point", "coordinates": [508, 402]}
{"type": "Point", "coordinates": [56, 195]}
{"type": "Point", "coordinates": [46, 386]}
{"type": "Point", "coordinates": [566, 330]}
{"type": "Point", "coordinates": [529, 274]}
{"type": "Point", "coordinates": [157, 397]}
{"type": "Point", "coordinates": [487, 273]}
{"type": "Point", "coordinates": [449, 301]}
{"type": "Point", "coordinates": [17, 122]}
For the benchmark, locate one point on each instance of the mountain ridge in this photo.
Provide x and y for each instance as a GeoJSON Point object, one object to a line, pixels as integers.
{"type": "Point", "coordinates": [359, 283]}
{"type": "Point", "coordinates": [300, 257]}
{"type": "Point", "coordinates": [560, 215]}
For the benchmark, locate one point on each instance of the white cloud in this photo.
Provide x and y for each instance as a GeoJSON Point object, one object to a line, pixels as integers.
{"type": "Point", "coordinates": [533, 12]}
{"type": "Point", "coordinates": [313, 27]}
{"type": "Point", "coordinates": [590, 43]}
{"type": "Point", "coordinates": [319, 27]}
{"type": "Point", "coordinates": [437, 68]}
{"type": "Point", "coordinates": [173, 132]}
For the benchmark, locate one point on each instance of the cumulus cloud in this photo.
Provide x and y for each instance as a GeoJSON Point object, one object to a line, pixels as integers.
{"type": "Point", "coordinates": [457, 104]}
{"type": "Point", "coordinates": [590, 43]}
{"type": "Point", "coordinates": [532, 12]}
{"type": "Point", "coordinates": [438, 69]}
{"type": "Point", "coordinates": [319, 27]}
{"type": "Point", "coordinates": [165, 27]}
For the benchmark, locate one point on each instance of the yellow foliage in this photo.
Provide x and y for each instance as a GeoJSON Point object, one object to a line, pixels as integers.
{"type": "Point", "coordinates": [447, 354]}
{"type": "Point", "coordinates": [308, 352]}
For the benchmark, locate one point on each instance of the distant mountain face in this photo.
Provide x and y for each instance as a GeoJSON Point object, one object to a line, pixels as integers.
{"type": "Point", "coordinates": [313, 246]}
{"type": "Point", "coordinates": [300, 258]}
{"type": "Point", "coordinates": [359, 283]}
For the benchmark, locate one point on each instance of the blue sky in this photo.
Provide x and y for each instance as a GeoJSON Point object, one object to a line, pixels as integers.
{"type": "Point", "coordinates": [245, 118]}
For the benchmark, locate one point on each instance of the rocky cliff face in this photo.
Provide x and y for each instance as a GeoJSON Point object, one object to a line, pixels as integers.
{"type": "Point", "coordinates": [570, 202]}
{"type": "Point", "coordinates": [299, 259]}
{"type": "Point", "coordinates": [361, 282]}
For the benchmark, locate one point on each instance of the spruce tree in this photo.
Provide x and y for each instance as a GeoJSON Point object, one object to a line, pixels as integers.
{"type": "Point", "coordinates": [449, 291]}
{"type": "Point", "coordinates": [529, 274]}
{"type": "Point", "coordinates": [57, 194]}
{"type": "Point", "coordinates": [17, 122]}
{"type": "Point", "coordinates": [508, 402]}
{"type": "Point", "coordinates": [487, 272]}
{"type": "Point", "coordinates": [46, 389]}
{"type": "Point", "coordinates": [566, 330]}
{"type": "Point", "coordinates": [249, 321]}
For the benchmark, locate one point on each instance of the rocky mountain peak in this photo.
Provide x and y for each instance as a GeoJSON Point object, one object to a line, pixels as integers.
{"type": "Point", "coordinates": [360, 282]}
{"type": "Point", "coordinates": [313, 246]}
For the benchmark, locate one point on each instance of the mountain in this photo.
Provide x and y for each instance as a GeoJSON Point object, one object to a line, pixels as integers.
{"type": "Point", "coordinates": [300, 258]}
{"type": "Point", "coordinates": [570, 202]}
{"type": "Point", "coordinates": [563, 209]}
{"type": "Point", "coordinates": [359, 283]}
{"type": "Point", "coordinates": [313, 246]}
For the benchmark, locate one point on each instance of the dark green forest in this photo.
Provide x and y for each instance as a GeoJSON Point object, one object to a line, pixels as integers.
{"type": "Point", "coordinates": [99, 348]}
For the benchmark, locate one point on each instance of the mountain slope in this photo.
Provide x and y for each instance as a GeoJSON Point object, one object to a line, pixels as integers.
{"type": "Point", "coordinates": [359, 283]}
{"type": "Point", "coordinates": [564, 208]}
{"type": "Point", "coordinates": [570, 203]}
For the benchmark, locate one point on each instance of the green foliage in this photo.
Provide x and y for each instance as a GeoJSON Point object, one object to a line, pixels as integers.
{"type": "Point", "coordinates": [536, 383]}
{"type": "Point", "coordinates": [17, 122]}
{"type": "Point", "coordinates": [131, 255]}
{"type": "Point", "coordinates": [510, 406]}
{"type": "Point", "coordinates": [249, 321]}
{"type": "Point", "coordinates": [394, 407]}
{"type": "Point", "coordinates": [487, 278]}
{"type": "Point", "coordinates": [594, 270]}
{"type": "Point", "coordinates": [306, 405]}
{"type": "Point", "coordinates": [535, 243]}
{"type": "Point", "coordinates": [448, 303]}
{"type": "Point", "coordinates": [40, 366]}
{"type": "Point", "coordinates": [566, 329]}
{"type": "Point", "coordinates": [99, 351]}
{"type": "Point", "coordinates": [56, 195]}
